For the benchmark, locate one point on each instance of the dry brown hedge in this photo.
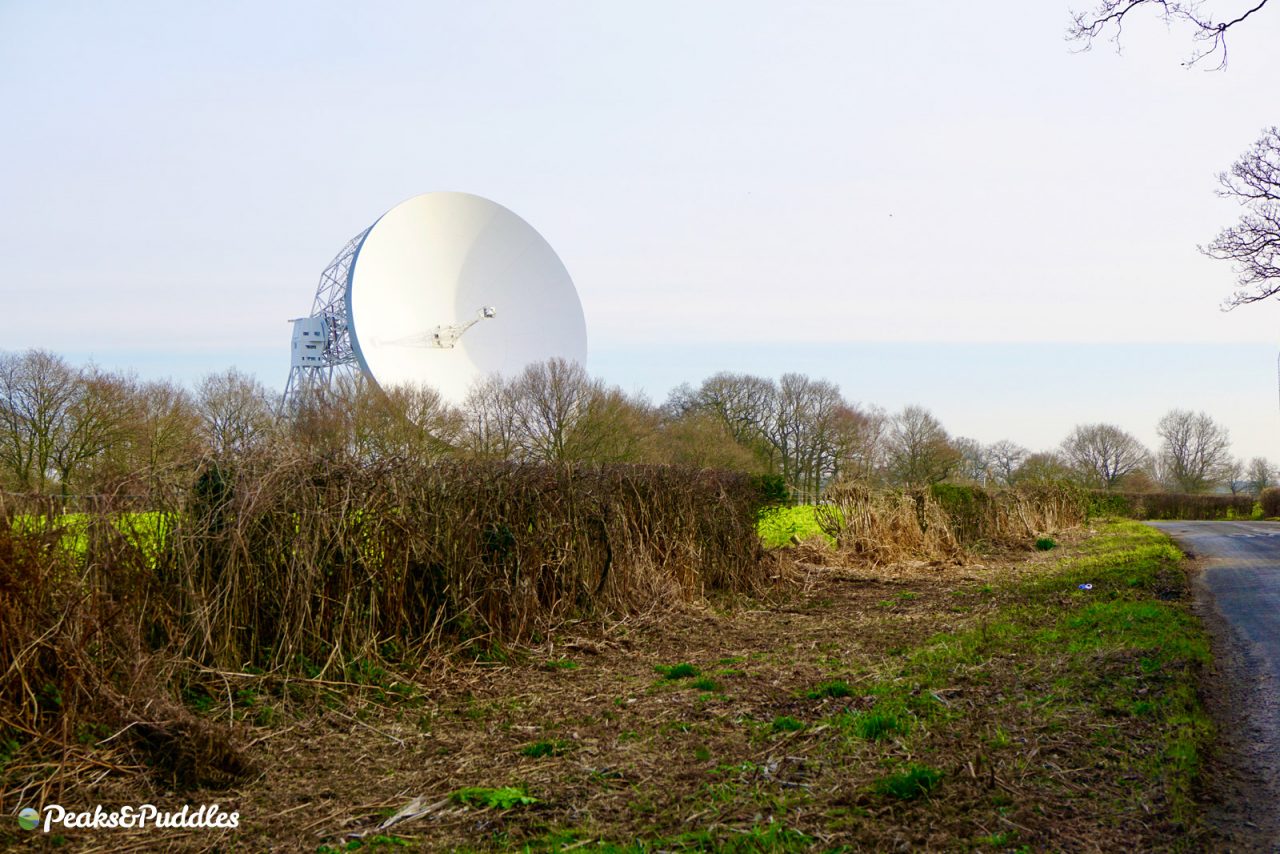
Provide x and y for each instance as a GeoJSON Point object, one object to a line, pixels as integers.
{"type": "Point", "coordinates": [296, 560]}
{"type": "Point", "coordinates": [938, 524]}
{"type": "Point", "coordinates": [296, 563]}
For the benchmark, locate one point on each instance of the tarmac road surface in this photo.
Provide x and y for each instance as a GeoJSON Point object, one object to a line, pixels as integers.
{"type": "Point", "coordinates": [1237, 591]}
{"type": "Point", "coordinates": [1241, 572]}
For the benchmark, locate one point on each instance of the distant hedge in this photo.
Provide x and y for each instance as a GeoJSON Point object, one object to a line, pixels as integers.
{"type": "Point", "coordinates": [1171, 505]}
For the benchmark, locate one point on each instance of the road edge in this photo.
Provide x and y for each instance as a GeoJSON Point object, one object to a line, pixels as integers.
{"type": "Point", "coordinates": [1240, 786]}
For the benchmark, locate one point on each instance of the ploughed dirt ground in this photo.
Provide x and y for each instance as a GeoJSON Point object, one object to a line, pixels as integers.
{"type": "Point", "coordinates": [761, 750]}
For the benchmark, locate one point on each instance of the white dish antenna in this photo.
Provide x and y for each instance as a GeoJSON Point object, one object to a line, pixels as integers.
{"type": "Point", "coordinates": [444, 289]}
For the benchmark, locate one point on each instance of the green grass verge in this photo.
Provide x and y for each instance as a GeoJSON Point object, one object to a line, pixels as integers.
{"type": "Point", "coordinates": [1125, 649]}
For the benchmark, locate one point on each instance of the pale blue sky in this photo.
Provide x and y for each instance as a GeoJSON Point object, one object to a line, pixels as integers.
{"type": "Point", "coordinates": [746, 186]}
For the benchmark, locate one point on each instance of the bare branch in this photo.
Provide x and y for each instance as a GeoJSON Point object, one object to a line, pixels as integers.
{"type": "Point", "coordinates": [1108, 17]}
{"type": "Point", "coordinates": [1253, 243]}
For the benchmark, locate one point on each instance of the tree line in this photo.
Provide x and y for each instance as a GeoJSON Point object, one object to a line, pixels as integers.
{"type": "Point", "coordinates": [69, 430]}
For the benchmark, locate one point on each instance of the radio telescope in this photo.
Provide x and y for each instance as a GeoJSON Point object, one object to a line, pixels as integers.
{"type": "Point", "coordinates": [442, 290]}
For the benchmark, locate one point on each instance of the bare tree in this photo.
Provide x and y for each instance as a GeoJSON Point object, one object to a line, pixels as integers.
{"type": "Point", "coordinates": [98, 420]}
{"type": "Point", "coordinates": [701, 440]}
{"type": "Point", "coordinates": [1043, 468]}
{"type": "Point", "coordinates": [1194, 452]}
{"type": "Point", "coordinates": [857, 443]}
{"type": "Point", "coordinates": [38, 391]}
{"type": "Point", "coordinates": [1253, 243]}
{"type": "Point", "coordinates": [490, 419]}
{"type": "Point", "coordinates": [1005, 458]}
{"type": "Point", "coordinates": [550, 397]}
{"type": "Point", "coordinates": [799, 427]}
{"type": "Point", "coordinates": [802, 430]}
{"type": "Point", "coordinates": [1103, 454]}
{"type": "Point", "coordinates": [165, 433]}
{"type": "Point", "coordinates": [745, 404]}
{"type": "Point", "coordinates": [1260, 474]}
{"type": "Point", "coordinates": [613, 427]}
{"type": "Point", "coordinates": [975, 463]}
{"type": "Point", "coordinates": [919, 449]}
{"type": "Point", "coordinates": [554, 411]}
{"type": "Point", "coordinates": [1209, 27]}
{"type": "Point", "coordinates": [235, 412]}
{"type": "Point", "coordinates": [1233, 475]}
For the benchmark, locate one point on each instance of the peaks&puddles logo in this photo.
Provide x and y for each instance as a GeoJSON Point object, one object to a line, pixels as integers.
{"type": "Point", "coordinates": [205, 817]}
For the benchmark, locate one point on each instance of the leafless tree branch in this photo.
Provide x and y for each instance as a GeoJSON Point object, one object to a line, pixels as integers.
{"type": "Point", "coordinates": [1107, 19]}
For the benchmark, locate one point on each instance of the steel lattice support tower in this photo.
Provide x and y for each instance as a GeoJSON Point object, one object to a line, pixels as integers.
{"type": "Point", "coordinates": [322, 342]}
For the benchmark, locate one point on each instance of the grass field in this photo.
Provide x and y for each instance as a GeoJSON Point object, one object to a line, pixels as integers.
{"type": "Point", "coordinates": [985, 708]}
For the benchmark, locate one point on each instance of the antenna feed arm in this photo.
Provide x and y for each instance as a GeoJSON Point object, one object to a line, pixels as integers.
{"type": "Point", "coordinates": [445, 337]}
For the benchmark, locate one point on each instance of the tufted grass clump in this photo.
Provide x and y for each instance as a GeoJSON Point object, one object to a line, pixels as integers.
{"type": "Point", "coordinates": [913, 782]}
{"type": "Point", "coordinates": [831, 688]}
{"type": "Point", "coordinates": [676, 671]}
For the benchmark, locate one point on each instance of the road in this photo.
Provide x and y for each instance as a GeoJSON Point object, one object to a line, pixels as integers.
{"type": "Point", "coordinates": [1237, 591]}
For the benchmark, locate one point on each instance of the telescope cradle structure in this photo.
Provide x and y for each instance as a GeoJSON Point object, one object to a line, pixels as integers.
{"type": "Point", "coordinates": [322, 348]}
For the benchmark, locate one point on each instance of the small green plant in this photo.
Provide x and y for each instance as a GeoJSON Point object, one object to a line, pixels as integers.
{"type": "Point", "coordinates": [997, 840]}
{"type": "Point", "coordinates": [832, 688]}
{"type": "Point", "coordinates": [265, 716]}
{"type": "Point", "coordinates": [561, 664]}
{"type": "Point", "coordinates": [877, 726]}
{"type": "Point", "coordinates": [786, 723]}
{"type": "Point", "coordinates": [1044, 544]}
{"type": "Point", "coordinates": [539, 749]}
{"type": "Point", "coordinates": [89, 734]}
{"type": "Point", "coordinates": [705, 684]}
{"type": "Point", "coordinates": [676, 671]}
{"type": "Point", "coordinates": [909, 784]}
{"type": "Point", "coordinates": [502, 799]}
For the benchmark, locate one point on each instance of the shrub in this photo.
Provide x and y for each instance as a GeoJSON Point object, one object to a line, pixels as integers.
{"type": "Point", "coordinates": [1270, 501]}
{"type": "Point", "coordinates": [1174, 505]}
